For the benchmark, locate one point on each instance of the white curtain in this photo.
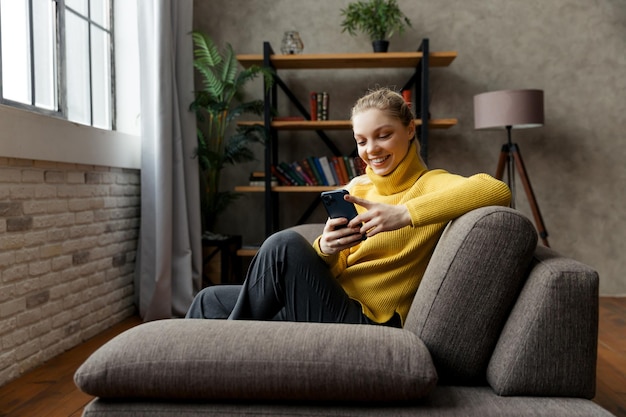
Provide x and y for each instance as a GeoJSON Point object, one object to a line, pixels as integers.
{"type": "Point", "coordinates": [168, 265]}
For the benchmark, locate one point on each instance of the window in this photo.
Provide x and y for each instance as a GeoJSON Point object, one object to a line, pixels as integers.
{"type": "Point", "coordinates": [56, 58]}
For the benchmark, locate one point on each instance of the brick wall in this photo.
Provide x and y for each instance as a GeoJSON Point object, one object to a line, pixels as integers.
{"type": "Point", "coordinates": [68, 236]}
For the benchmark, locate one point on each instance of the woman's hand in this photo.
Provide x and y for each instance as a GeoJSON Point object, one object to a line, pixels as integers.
{"type": "Point", "coordinates": [335, 240]}
{"type": "Point", "coordinates": [379, 217]}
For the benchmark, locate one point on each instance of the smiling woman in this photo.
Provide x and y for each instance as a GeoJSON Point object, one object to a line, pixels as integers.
{"type": "Point", "coordinates": [403, 209]}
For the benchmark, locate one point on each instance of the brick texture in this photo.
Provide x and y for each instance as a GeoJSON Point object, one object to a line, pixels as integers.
{"type": "Point", "coordinates": [68, 237]}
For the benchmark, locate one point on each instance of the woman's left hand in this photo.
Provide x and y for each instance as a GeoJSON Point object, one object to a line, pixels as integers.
{"type": "Point", "coordinates": [379, 217]}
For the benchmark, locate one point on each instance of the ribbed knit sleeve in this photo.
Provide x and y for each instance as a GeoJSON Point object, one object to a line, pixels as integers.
{"type": "Point", "coordinates": [440, 196]}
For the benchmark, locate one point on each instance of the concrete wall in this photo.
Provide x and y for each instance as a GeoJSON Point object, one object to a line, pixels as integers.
{"type": "Point", "coordinates": [68, 235]}
{"type": "Point", "coordinates": [572, 49]}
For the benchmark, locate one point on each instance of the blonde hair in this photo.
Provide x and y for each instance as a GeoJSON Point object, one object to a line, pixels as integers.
{"type": "Point", "coordinates": [386, 100]}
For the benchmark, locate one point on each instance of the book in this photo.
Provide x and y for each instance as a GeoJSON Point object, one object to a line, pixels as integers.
{"type": "Point", "coordinates": [349, 167]}
{"type": "Point", "coordinates": [328, 173]}
{"type": "Point", "coordinates": [355, 173]}
{"type": "Point", "coordinates": [332, 161]}
{"type": "Point", "coordinates": [309, 171]}
{"type": "Point", "coordinates": [314, 168]}
{"type": "Point", "coordinates": [313, 105]}
{"type": "Point", "coordinates": [325, 102]}
{"type": "Point", "coordinates": [281, 178]}
{"type": "Point", "coordinates": [320, 104]}
{"type": "Point", "coordinates": [344, 170]}
{"type": "Point", "coordinates": [284, 169]}
{"type": "Point", "coordinates": [320, 170]}
{"type": "Point", "coordinates": [302, 173]}
{"type": "Point", "coordinates": [291, 173]}
{"type": "Point", "coordinates": [257, 179]}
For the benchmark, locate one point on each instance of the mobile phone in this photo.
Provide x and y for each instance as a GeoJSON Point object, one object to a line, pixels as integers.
{"type": "Point", "coordinates": [337, 207]}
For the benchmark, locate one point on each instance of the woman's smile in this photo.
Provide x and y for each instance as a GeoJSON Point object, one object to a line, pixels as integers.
{"type": "Point", "coordinates": [379, 160]}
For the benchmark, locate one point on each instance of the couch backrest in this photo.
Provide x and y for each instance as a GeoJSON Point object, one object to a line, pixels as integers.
{"type": "Point", "coordinates": [469, 288]}
{"type": "Point", "coordinates": [310, 231]}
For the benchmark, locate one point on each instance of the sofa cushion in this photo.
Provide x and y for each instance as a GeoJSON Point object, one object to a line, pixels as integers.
{"type": "Point", "coordinates": [310, 231]}
{"type": "Point", "coordinates": [218, 359]}
{"type": "Point", "coordinates": [469, 288]}
{"type": "Point", "coordinates": [549, 343]}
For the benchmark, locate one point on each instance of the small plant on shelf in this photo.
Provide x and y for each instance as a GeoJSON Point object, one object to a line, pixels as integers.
{"type": "Point", "coordinates": [217, 104]}
{"type": "Point", "coordinates": [379, 19]}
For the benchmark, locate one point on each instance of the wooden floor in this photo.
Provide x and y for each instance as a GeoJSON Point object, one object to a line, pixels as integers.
{"type": "Point", "coordinates": [611, 370]}
{"type": "Point", "coordinates": [49, 391]}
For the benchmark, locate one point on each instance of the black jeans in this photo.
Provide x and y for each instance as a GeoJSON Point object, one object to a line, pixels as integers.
{"type": "Point", "coordinates": [286, 281]}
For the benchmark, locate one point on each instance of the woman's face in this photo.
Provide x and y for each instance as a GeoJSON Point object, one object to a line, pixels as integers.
{"type": "Point", "coordinates": [382, 141]}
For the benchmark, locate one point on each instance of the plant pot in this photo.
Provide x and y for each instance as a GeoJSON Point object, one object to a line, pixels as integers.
{"type": "Point", "coordinates": [380, 46]}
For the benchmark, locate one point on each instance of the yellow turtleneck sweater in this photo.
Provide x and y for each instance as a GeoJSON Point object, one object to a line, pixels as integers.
{"type": "Point", "coordinates": [384, 271]}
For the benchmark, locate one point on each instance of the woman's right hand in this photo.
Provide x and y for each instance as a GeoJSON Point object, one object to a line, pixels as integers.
{"type": "Point", "coordinates": [335, 240]}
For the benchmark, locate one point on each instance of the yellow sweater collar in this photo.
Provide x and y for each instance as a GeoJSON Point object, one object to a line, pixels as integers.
{"type": "Point", "coordinates": [401, 178]}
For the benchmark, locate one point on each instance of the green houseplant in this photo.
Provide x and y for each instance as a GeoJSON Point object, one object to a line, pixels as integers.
{"type": "Point", "coordinates": [217, 104]}
{"type": "Point", "coordinates": [379, 19]}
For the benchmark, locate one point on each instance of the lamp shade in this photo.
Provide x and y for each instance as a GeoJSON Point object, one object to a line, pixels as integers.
{"type": "Point", "coordinates": [516, 108]}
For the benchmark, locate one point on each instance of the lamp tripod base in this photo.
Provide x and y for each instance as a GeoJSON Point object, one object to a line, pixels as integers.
{"type": "Point", "coordinates": [511, 158]}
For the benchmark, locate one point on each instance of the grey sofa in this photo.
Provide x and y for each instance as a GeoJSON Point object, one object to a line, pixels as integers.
{"type": "Point", "coordinates": [498, 327]}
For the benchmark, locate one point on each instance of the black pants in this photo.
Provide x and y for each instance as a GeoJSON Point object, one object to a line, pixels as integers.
{"type": "Point", "coordinates": [288, 281]}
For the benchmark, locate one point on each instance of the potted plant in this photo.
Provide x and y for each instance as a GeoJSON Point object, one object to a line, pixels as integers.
{"type": "Point", "coordinates": [379, 19]}
{"type": "Point", "coordinates": [218, 103]}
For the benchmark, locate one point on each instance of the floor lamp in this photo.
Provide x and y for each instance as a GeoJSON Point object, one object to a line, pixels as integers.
{"type": "Point", "coordinates": [512, 109]}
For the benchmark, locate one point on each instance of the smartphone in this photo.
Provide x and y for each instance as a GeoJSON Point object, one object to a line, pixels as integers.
{"type": "Point", "coordinates": [337, 207]}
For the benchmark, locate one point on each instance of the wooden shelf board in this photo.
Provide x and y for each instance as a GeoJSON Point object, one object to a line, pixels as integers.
{"type": "Point", "coordinates": [339, 124]}
{"type": "Point", "coordinates": [352, 60]}
{"type": "Point", "coordinates": [245, 252]}
{"type": "Point", "coordinates": [286, 189]}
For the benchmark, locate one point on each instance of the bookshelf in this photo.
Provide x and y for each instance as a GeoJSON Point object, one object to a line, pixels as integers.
{"type": "Point", "coordinates": [421, 61]}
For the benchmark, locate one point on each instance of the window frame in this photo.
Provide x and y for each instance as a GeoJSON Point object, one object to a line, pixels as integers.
{"type": "Point", "coordinates": [32, 136]}
{"type": "Point", "coordinates": [60, 67]}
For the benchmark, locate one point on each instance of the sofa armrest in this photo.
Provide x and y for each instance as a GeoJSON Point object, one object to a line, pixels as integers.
{"type": "Point", "coordinates": [548, 346]}
{"type": "Point", "coordinates": [310, 231]}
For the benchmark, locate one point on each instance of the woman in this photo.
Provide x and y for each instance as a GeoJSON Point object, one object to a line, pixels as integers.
{"type": "Point", "coordinates": [403, 208]}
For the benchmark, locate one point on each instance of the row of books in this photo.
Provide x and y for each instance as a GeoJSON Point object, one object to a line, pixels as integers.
{"type": "Point", "coordinates": [325, 170]}
{"type": "Point", "coordinates": [318, 103]}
